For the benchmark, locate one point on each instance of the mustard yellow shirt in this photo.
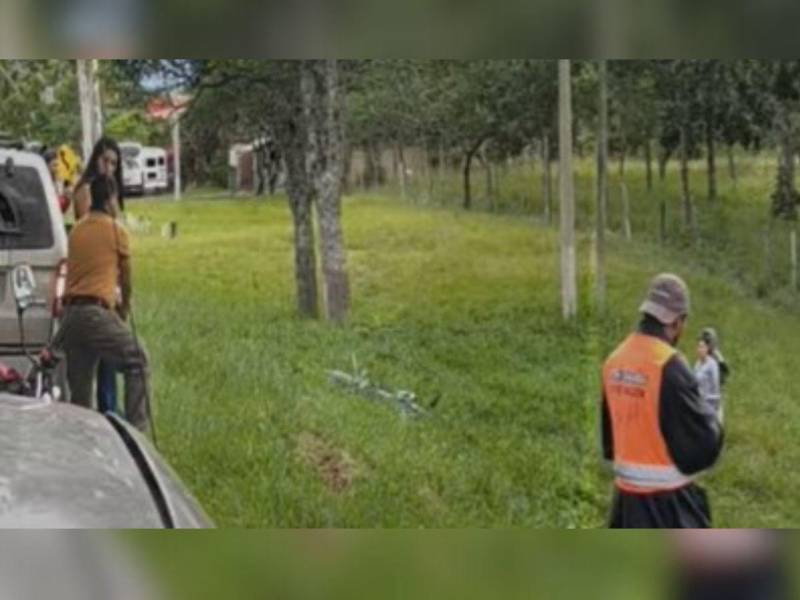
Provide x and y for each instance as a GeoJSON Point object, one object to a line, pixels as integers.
{"type": "Point", "coordinates": [96, 245]}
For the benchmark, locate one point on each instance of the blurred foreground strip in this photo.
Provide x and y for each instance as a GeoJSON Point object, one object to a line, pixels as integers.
{"type": "Point", "coordinates": [734, 564]}
{"type": "Point", "coordinates": [70, 565]}
{"type": "Point", "coordinates": [424, 28]}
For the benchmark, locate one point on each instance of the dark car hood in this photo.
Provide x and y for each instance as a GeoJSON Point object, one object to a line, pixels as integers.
{"type": "Point", "coordinates": [62, 466]}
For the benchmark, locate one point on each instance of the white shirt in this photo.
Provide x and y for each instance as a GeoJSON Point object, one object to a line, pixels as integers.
{"type": "Point", "coordinates": [707, 373]}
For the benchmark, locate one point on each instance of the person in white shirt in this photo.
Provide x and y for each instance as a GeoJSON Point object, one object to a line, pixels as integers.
{"type": "Point", "coordinates": [710, 369]}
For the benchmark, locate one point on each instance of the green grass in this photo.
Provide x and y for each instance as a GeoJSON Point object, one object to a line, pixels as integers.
{"type": "Point", "coordinates": [462, 305]}
{"type": "Point", "coordinates": [735, 235]}
{"type": "Point", "coordinates": [443, 303]}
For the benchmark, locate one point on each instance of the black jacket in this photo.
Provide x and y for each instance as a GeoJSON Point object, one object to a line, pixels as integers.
{"type": "Point", "coordinates": [694, 439]}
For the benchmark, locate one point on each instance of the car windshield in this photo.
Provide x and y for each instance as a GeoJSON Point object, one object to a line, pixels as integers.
{"type": "Point", "coordinates": [24, 215]}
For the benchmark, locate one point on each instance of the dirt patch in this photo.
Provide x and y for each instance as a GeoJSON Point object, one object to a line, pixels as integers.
{"type": "Point", "coordinates": [337, 469]}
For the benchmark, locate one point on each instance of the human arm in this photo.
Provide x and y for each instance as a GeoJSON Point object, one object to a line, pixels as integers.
{"type": "Point", "coordinates": [689, 424]}
{"type": "Point", "coordinates": [606, 430]}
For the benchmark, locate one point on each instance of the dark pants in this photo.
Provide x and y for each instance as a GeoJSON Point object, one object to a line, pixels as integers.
{"type": "Point", "coordinates": [106, 388]}
{"type": "Point", "coordinates": [686, 507]}
{"type": "Point", "coordinates": [90, 333]}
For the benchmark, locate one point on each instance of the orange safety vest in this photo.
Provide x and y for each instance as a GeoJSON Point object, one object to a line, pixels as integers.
{"type": "Point", "coordinates": [632, 385]}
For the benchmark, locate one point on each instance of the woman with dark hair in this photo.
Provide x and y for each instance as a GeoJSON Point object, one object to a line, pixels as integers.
{"type": "Point", "coordinates": [711, 369]}
{"type": "Point", "coordinates": [106, 160]}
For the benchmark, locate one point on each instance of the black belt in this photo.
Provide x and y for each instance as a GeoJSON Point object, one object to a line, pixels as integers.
{"type": "Point", "coordinates": [85, 300]}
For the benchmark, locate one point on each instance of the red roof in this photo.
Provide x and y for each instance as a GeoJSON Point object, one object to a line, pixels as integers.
{"type": "Point", "coordinates": [163, 107]}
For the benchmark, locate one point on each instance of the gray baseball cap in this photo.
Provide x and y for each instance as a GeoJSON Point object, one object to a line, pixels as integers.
{"type": "Point", "coordinates": [667, 298]}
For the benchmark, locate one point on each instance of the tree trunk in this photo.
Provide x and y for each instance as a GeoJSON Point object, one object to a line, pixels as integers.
{"type": "Point", "coordinates": [785, 196]}
{"type": "Point", "coordinates": [602, 188]}
{"type": "Point", "coordinates": [260, 171]}
{"type": "Point", "coordinates": [334, 270]}
{"type": "Point", "coordinates": [663, 159]}
{"type": "Point", "coordinates": [569, 284]}
{"type": "Point", "coordinates": [428, 172]}
{"type": "Point", "coordinates": [467, 167]}
{"type": "Point", "coordinates": [441, 161]}
{"type": "Point", "coordinates": [291, 133]}
{"type": "Point", "coordinates": [467, 185]}
{"type": "Point", "coordinates": [711, 160]}
{"type": "Point", "coordinates": [301, 197]}
{"type": "Point", "coordinates": [324, 106]}
{"type": "Point", "coordinates": [688, 208]}
{"type": "Point", "coordinates": [90, 105]}
{"type": "Point", "coordinates": [401, 169]}
{"type": "Point", "coordinates": [767, 278]}
{"type": "Point", "coordinates": [626, 210]}
{"type": "Point", "coordinates": [732, 165]}
{"type": "Point", "coordinates": [530, 160]}
{"type": "Point", "coordinates": [276, 163]}
{"type": "Point", "coordinates": [369, 166]}
{"type": "Point", "coordinates": [305, 260]}
{"type": "Point", "coordinates": [489, 181]}
{"type": "Point", "coordinates": [648, 160]}
{"type": "Point", "coordinates": [373, 168]}
{"type": "Point", "coordinates": [176, 156]}
{"type": "Point", "coordinates": [547, 180]}
{"type": "Point", "coordinates": [793, 257]}
{"type": "Point", "coordinates": [310, 138]}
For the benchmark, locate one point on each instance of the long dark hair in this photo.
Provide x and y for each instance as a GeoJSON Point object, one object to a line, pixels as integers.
{"type": "Point", "coordinates": [91, 172]}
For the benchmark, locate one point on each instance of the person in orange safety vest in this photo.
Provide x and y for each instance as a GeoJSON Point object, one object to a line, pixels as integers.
{"type": "Point", "coordinates": [658, 432]}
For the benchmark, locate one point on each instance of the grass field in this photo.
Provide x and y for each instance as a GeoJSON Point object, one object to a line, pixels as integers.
{"type": "Point", "coordinates": [465, 306]}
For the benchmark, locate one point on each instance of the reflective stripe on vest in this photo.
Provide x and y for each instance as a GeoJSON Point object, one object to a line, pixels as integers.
{"type": "Point", "coordinates": [639, 478]}
{"type": "Point", "coordinates": [632, 385]}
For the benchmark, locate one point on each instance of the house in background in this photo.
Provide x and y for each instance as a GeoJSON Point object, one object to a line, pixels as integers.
{"type": "Point", "coordinates": [254, 168]}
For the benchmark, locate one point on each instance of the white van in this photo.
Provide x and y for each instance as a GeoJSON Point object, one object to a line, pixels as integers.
{"type": "Point", "coordinates": [154, 164]}
{"type": "Point", "coordinates": [144, 168]}
{"type": "Point", "coordinates": [132, 171]}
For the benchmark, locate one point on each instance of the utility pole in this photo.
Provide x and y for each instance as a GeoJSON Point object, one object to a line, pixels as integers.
{"type": "Point", "coordinates": [90, 105]}
{"type": "Point", "coordinates": [602, 186]}
{"type": "Point", "coordinates": [176, 153]}
{"type": "Point", "coordinates": [569, 285]}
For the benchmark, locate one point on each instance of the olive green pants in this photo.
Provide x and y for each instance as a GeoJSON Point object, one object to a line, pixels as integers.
{"type": "Point", "coordinates": [90, 333]}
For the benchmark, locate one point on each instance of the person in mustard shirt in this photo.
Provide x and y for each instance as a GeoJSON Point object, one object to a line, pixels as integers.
{"type": "Point", "coordinates": [106, 159]}
{"type": "Point", "coordinates": [94, 327]}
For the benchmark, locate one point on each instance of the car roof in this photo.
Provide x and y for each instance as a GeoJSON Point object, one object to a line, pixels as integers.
{"type": "Point", "coordinates": [47, 256]}
{"type": "Point", "coordinates": [62, 466]}
{"type": "Point", "coordinates": [22, 157]}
